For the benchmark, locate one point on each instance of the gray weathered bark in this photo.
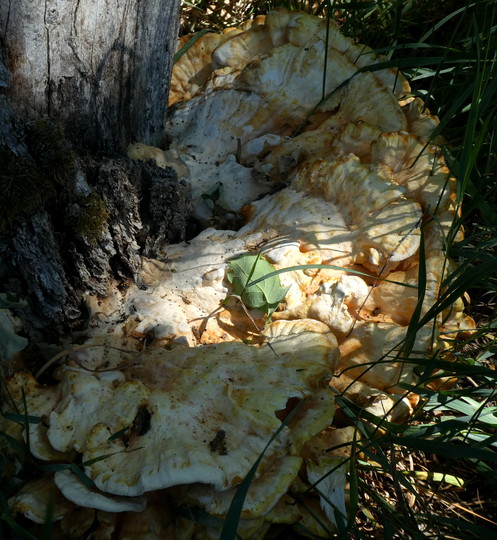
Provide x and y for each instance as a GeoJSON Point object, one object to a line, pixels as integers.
{"type": "Point", "coordinates": [51, 258]}
{"type": "Point", "coordinates": [101, 70]}
{"type": "Point", "coordinates": [102, 67]}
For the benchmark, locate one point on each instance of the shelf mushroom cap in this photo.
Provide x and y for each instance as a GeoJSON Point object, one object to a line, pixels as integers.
{"type": "Point", "coordinates": [215, 433]}
{"type": "Point", "coordinates": [76, 491]}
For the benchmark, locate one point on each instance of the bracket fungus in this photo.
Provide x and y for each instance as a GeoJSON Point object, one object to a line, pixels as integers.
{"type": "Point", "coordinates": [179, 391]}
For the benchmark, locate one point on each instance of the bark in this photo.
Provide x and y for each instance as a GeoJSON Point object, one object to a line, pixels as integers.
{"type": "Point", "coordinates": [101, 67]}
{"type": "Point", "coordinates": [93, 231]}
{"type": "Point", "coordinates": [78, 219]}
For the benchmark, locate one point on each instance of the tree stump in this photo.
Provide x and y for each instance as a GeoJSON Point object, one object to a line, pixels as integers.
{"type": "Point", "coordinates": [79, 81]}
{"type": "Point", "coordinates": [102, 67]}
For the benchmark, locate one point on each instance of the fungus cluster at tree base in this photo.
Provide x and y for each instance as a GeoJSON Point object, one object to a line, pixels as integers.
{"type": "Point", "coordinates": [186, 376]}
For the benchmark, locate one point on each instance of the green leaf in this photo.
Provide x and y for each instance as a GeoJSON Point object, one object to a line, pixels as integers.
{"type": "Point", "coordinates": [265, 295]}
{"type": "Point", "coordinates": [213, 193]}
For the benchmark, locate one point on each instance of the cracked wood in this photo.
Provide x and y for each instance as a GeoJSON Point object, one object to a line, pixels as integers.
{"type": "Point", "coordinates": [102, 67]}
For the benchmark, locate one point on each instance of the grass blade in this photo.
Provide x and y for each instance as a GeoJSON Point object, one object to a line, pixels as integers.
{"type": "Point", "coordinates": [230, 527]}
